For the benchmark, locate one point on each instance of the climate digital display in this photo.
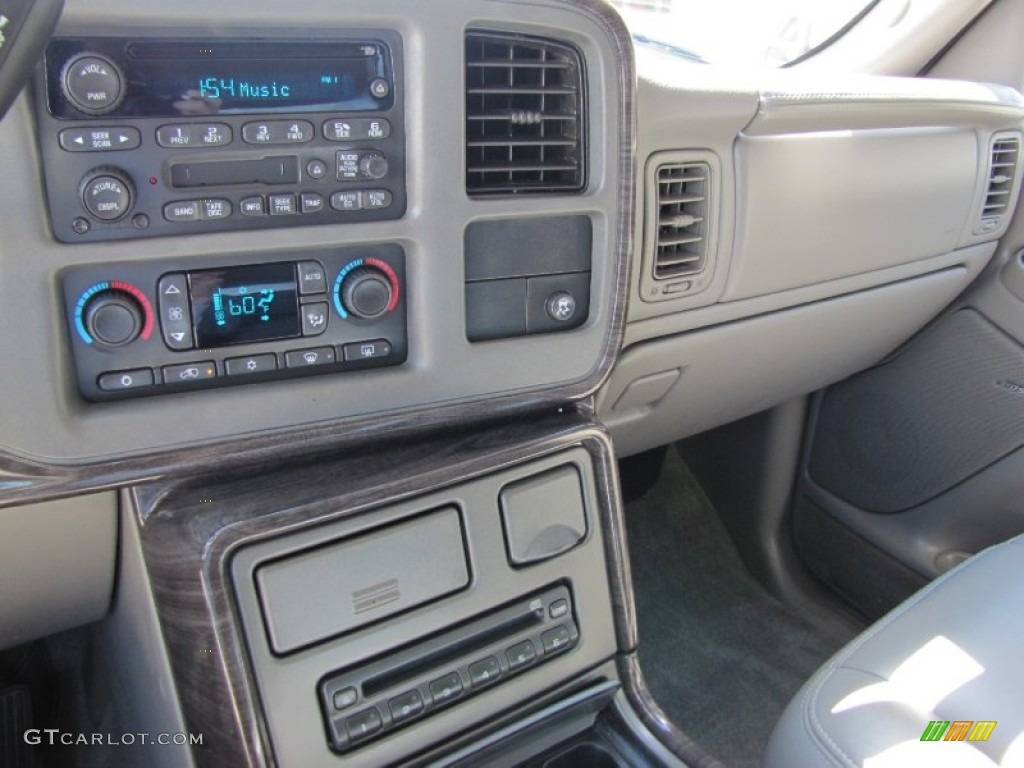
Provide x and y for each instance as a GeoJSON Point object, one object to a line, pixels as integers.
{"type": "Point", "coordinates": [239, 305]}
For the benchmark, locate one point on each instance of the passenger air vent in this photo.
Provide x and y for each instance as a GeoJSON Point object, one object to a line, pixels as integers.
{"type": "Point", "coordinates": [680, 246]}
{"type": "Point", "coordinates": [524, 115]}
{"type": "Point", "coordinates": [1002, 170]}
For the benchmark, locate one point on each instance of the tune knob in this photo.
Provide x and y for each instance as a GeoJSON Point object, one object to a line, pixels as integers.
{"type": "Point", "coordinates": [366, 292]}
{"type": "Point", "coordinates": [107, 193]}
{"type": "Point", "coordinates": [93, 83]}
{"type": "Point", "coordinates": [114, 318]}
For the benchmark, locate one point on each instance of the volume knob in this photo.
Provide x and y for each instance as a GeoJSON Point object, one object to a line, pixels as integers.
{"type": "Point", "coordinates": [92, 83]}
{"type": "Point", "coordinates": [366, 292]}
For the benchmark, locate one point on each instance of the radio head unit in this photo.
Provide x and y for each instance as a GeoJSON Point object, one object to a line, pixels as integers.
{"type": "Point", "coordinates": [144, 137]}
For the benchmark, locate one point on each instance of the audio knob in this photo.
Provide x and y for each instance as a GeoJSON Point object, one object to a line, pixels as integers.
{"type": "Point", "coordinates": [107, 193]}
{"type": "Point", "coordinates": [93, 83]}
{"type": "Point", "coordinates": [366, 292]}
{"type": "Point", "coordinates": [114, 318]}
{"type": "Point", "coordinates": [373, 165]}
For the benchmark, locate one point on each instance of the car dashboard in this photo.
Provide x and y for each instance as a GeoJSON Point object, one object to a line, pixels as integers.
{"type": "Point", "coordinates": [327, 323]}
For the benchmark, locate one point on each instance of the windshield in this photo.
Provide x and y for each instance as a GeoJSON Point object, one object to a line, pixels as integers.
{"type": "Point", "coordinates": [745, 33]}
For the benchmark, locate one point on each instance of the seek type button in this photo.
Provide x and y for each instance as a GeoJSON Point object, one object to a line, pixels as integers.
{"type": "Point", "coordinates": [243, 366]}
{"type": "Point", "coordinates": [367, 350]}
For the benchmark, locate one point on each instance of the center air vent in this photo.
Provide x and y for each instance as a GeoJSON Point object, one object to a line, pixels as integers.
{"type": "Point", "coordinates": [524, 115]}
{"type": "Point", "coordinates": [1002, 170]}
{"type": "Point", "coordinates": [680, 246]}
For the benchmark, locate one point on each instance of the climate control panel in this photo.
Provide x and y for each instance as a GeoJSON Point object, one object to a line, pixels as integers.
{"type": "Point", "coordinates": [146, 329]}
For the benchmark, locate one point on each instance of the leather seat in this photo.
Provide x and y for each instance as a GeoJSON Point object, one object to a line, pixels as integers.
{"type": "Point", "coordinates": [954, 652]}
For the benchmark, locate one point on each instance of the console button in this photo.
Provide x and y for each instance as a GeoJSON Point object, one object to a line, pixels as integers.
{"type": "Point", "coordinates": [214, 209]}
{"type": "Point", "coordinates": [277, 132]}
{"type": "Point", "coordinates": [182, 210]}
{"type": "Point", "coordinates": [316, 169]}
{"type": "Point", "coordinates": [346, 201]}
{"type": "Point", "coordinates": [252, 206]}
{"type": "Point", "coordinates": [558, 608]}
{"type": "Point", "coordinates": [194, 135]}
{"type": "Point", "coordinates": [485, 671]}
{"type": "Point", "coordinates": [242, 366]}
{"type": "Point", "coordinates": [446, 688]}
{"type": "Point", "coordinates": [355, 129]}
{"type": "Point", "coordinates": [555, 639]}
{"type": "Point", "coordinates": [405, 705]}
{"type": "Point", "coordinates": [306, 358]}
{"type": "Point", "coordinates": [282, 205]}
{"type": "Point", "coordinates": [189, 372]}
{"type": "Point", "coordinates": [345, 698]}
{"type": "Point", "coordinates": [363, 724]}
{"type": "Point", "coordinates": [348, 164]}
{"type": "Point", "coordinates": [376, 198]}
{"type": "Point", "coordinates": [99, 139]}
{"type": "Point", "coordinates": [117, 381]}
{"type": "Point", "coordinates": [367, 350]}
{"type": "Point", "coordinates": [312, 278]}
{"type": "Point", "coordinates": [175, 319]}
{"type": "Point", "coordinates": [520, 654]}
{"type": "Point", "coordinates": [314, 318]}
{"type": "Point", "coordinates": [312, 202]}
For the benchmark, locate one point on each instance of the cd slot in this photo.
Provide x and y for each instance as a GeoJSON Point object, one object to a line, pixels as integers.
{"type": "Point", "coordinates": [270, 170]}
{"type": "Point", "coordinates": [363, 703]}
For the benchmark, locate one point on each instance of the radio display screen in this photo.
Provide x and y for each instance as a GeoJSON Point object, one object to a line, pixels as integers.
{"type": "Point", "coordinates": [192, 79]}
{"type": "Point", "coordinates": [239, 305]}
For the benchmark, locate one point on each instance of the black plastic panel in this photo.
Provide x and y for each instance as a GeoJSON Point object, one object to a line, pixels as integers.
{"type": "Point", "coordinates": [166, 357]}
{"type": "Point", "coordinates": [340, 161]}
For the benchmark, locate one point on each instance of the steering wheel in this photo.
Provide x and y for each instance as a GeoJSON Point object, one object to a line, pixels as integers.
{"type": "Point", "coordinates": [25, 29]}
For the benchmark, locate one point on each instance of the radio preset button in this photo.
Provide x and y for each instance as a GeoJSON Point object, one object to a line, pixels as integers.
{"type": "Point", "coordinates": [278, 132]}
{"type": "Point", "coordinates": [99, 139]}
{"type": "Point", "coordinates": [363, 724]}
{"type": "Point", "coordinates": [356, 128]}
{"type": "Point", "coordinates": [346, 201]}
{"type": "Point", "coordinates": [485, 671]}
{"type": "Point", "coordinates": [118, 381]}
{"type": "Point", "coordinates": [194, 135]}
{"type": "Point", "coordinates": [243, 366]}
{"type": "Point", "coordinates": [93, 84]}
{"type": "Point", "coordinates": [443, 689]}
{"type": "Point", "coordinates": [189, 372]}
{"type": "Point", "coordinates": [252, 206]}
{"type": "Point", "coordinates": [182, 211]}
{"type": "Point", "coordinates": [307, 358]}
{"type": "Point", "coordinates": [312, 278]}
{"type": "Point", "coordinates": [366, 350]}
{"type": "Point", "coordinates": [214, 209]}
{"type": "Point", "coordinates": [312, 202]}
{"type": "Point", "coordinates": [282, 205]}
{"type": "Point", "coordinates": [405, 705]}
{"type": "Point", "coordinates": [314, 318]}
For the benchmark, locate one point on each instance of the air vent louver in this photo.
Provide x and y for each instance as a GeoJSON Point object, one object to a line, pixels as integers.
{"type": "Point", "coordinates": [1001, 172]}
{"type": "Point", "coordinates": [680, 247]}
{"type": "Point", "coordinates": [524, 115]}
